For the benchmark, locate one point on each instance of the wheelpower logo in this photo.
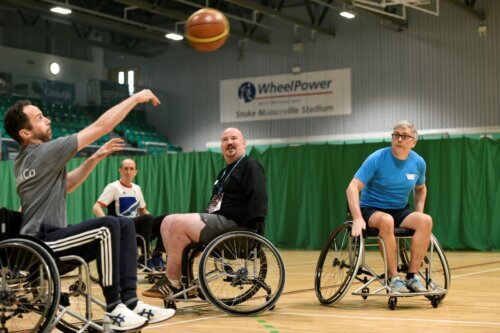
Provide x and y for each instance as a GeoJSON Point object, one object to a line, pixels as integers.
{"type": "Point", "coordinates": [286, 96]}
{"type": "Point", "coordinates": [247, 92]}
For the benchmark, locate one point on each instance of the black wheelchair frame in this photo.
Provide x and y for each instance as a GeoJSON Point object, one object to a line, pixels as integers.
{"type": "Point", "coordinates": [240, 272]}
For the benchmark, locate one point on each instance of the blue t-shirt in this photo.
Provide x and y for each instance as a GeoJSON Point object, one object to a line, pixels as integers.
{"type": "Point", "coordinates": [389, 181]}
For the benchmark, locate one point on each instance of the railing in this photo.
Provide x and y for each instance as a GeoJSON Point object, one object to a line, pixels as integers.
{"type": "Point", "coordinates": [10, 149]}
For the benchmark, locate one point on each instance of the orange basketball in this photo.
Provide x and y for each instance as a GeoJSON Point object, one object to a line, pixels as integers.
{"type": "Point", "coordinates": [207, 29]}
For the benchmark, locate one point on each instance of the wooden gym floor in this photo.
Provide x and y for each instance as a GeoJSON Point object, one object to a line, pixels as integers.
{"type": "Point", "coordinates": [472, 304]}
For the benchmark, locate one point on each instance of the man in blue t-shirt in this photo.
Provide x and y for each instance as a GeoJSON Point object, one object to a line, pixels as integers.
{"type": "Point", "coordinates": [386, 179]}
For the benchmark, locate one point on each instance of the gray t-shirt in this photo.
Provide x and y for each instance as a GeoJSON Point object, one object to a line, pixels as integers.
{"type": "Point", "coordinates": [40, 171]}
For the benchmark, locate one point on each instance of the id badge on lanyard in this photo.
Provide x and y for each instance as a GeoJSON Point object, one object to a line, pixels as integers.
{"type": "Point", "coordinates": [216, 200]}
{"type": "Point", "coordinates": [215, 203]}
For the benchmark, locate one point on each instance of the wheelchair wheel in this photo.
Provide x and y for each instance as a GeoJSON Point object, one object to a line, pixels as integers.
{"type": "Point", "coordinates": [434, 270]}
{"type": "Point", "coordinates": [337, 265]}
{"type": "Point", "coordinates": [29, 286]}
{"type": "Point", "coordinates": [241, 273]}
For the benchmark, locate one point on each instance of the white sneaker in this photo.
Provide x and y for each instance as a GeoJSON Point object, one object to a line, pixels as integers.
{"type": "Point", "coordinates": [124, 319]}
{"type": "Point", "coordinates": [153, 313]}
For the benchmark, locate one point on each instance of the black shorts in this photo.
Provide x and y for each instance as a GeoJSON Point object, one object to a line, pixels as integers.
{"type": "Point", "coordinates": [215, 225]}
{"type": "Point", "coordinates": [397, 214]}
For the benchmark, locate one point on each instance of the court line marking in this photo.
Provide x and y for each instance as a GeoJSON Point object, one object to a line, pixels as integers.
{"type": "Point", "coordinates": [443, 321]}
{"type": "Point", "coordinates": [351, 316]}
{"type": "Point", "coordinates": [182, 322]}
{"type": "Point", "coordinates": [475, 273]}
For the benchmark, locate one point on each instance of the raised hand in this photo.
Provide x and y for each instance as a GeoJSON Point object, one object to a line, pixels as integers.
{"type": "Point", "coordinates": [147, 95]}
{"type": "Point", "coordinates": [113, 145]}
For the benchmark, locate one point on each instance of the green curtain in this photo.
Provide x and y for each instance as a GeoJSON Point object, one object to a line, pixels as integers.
{"type": "Point", "coordinates": [307, 185]}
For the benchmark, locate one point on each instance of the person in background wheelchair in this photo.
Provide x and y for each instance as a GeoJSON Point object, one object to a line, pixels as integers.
{"type": "Point", "coordinates": [42, 183]}
{"type": "Point", "coordinates": [128, 201]}
{"type": "Point", "coordinates": [385, 180]}
{"type": "Point", "coordinates": [239, 198]}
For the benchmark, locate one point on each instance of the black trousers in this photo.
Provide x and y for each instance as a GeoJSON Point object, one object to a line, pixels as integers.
{"type": "Point", "coordinates": [112, 241]}
{"type": "Point", "coordinates": [155, 232]}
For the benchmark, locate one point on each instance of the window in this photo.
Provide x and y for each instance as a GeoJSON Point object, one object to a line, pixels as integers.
{"type": "Point", "coordinates": [128, 76]}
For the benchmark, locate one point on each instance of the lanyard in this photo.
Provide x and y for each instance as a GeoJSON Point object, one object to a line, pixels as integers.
{"type": "Point", "coordinates": [220, 183]}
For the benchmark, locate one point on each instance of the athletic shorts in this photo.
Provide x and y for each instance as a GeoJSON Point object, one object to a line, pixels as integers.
{"type": "Point", "coordinates": [398, 214]}
{"type": "Point", "coordinates": [215, 225]}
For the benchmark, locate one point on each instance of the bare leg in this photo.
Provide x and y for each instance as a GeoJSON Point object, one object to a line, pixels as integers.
{"type": "Point", "coordinates": [422, 224]}
{"type": "Point", "coordinates": [178, 231]}
{"type": "Point", "coordinates": [385, 224]}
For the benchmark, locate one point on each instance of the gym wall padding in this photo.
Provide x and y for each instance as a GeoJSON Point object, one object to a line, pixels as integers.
{"type": "Point", "coordinates": [307, 185]}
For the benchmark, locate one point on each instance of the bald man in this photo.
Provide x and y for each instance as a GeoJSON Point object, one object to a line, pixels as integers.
{"type": "Point", "coordinates": [239, 198]}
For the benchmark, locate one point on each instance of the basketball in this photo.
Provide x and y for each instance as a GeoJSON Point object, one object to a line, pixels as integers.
{"type": "Point", "coordinates": [207, 29]}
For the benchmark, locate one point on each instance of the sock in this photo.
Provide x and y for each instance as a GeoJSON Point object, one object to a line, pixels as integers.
{"type": "Point", "coordinates": [410, 275]}
{"type": "Point", "coordinates": [175, 283]}
{"type": "Point", "coordinates": [111, 307]}
{"type": "Point", "coordinates": [131, 304]}
{"type": "Point", "coordinates": [393, 277]}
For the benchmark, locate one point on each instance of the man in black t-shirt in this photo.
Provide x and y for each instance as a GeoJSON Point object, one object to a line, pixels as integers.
{"type": "Point", "coordinates": [239, 198]}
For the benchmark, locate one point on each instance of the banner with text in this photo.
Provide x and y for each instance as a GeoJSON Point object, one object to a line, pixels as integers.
{"type": "Point", "coordinates": [58, 92]}
{"type": "Point", "coordinates": [312, 94]}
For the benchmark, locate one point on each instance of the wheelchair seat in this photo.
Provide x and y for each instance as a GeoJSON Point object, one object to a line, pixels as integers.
{"type": "Point", "coordinates": [343, 261]}
{"type": "Point", "coordinates": [239, 272]}
{"type": "Point", "coordinates": [398, 232]}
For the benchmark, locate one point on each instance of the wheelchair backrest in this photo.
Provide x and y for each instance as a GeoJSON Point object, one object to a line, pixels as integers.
{"type": "Point", "coordinates": [10, 222]}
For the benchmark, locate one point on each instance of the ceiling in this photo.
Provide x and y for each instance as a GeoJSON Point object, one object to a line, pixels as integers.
{"type": "Point", "coordinates": [139, 26]}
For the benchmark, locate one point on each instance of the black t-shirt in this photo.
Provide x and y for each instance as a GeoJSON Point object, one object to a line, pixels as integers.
{"type": "Point", "coordinates": [245, 192]}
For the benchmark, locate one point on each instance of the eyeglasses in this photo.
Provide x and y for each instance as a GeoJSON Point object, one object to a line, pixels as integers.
{"type": "Point", "coordinates": [404, 137]}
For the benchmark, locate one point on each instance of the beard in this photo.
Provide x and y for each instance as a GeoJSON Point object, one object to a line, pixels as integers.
{"type": "Point", "coordinates": [45, 137]}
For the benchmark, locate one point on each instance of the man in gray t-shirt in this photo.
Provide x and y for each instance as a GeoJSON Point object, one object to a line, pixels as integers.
{"type": "Point", "coordinates": [42, 183]}
{"type": "Point", "coordinates": [41, 180]}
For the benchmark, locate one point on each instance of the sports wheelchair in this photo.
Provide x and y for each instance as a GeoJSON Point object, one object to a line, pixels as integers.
{"type": "Point", "coordinates": [343, 260]}
{"type": "Point", "coordinates": [34, 294]}
{"type": "Point", "coordinates": [240, 272]}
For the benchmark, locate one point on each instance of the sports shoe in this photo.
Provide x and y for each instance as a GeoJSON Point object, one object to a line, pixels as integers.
{"type": "Point", "coordinates": [414, 284]}
{"type": "Point", "coordinates": [150, 264]}
{"type": "Point", "coordinates": [160, 289]}
{"type": "Point", "coordinates": [124, 319]}
{"type": "Point", "coordinates": [158, 263]}
{"type": "Point", "coordinates": [397, 285]}
{"type": "Point", "coordinates": [163, 288]}
{"type": "Point", "coordinates": [154, 314]}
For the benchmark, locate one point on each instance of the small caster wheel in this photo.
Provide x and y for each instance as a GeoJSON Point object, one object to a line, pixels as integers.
{"type": "Point", "coordinates": [393, 301]}
{"type": "Point", "coordinates": [435, 301]}
{"type": "Point", "coordinates": [77, 287]}
{"type": "Point", "coordinates": [169, 304]}
{"type": "Point", "coordinates": [365, 291]}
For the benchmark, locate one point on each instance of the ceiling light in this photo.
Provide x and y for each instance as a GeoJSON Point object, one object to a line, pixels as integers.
{"type": "Point", "coordinates": [347, 14]}
{"type": "Point", "coordinates": [61, 10]}
{"type": "Point", "coordinates": [55, 68]}
{"type": "Point", "coordinates": [174, 36]}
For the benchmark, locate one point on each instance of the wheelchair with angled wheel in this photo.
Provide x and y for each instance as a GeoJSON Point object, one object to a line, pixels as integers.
{"type": "Point", "coordinates": [343, 262]}
{"type": "Point", "coordinates": [35, 294]}
{"type": "Point", "coordinates": [240, 272]}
